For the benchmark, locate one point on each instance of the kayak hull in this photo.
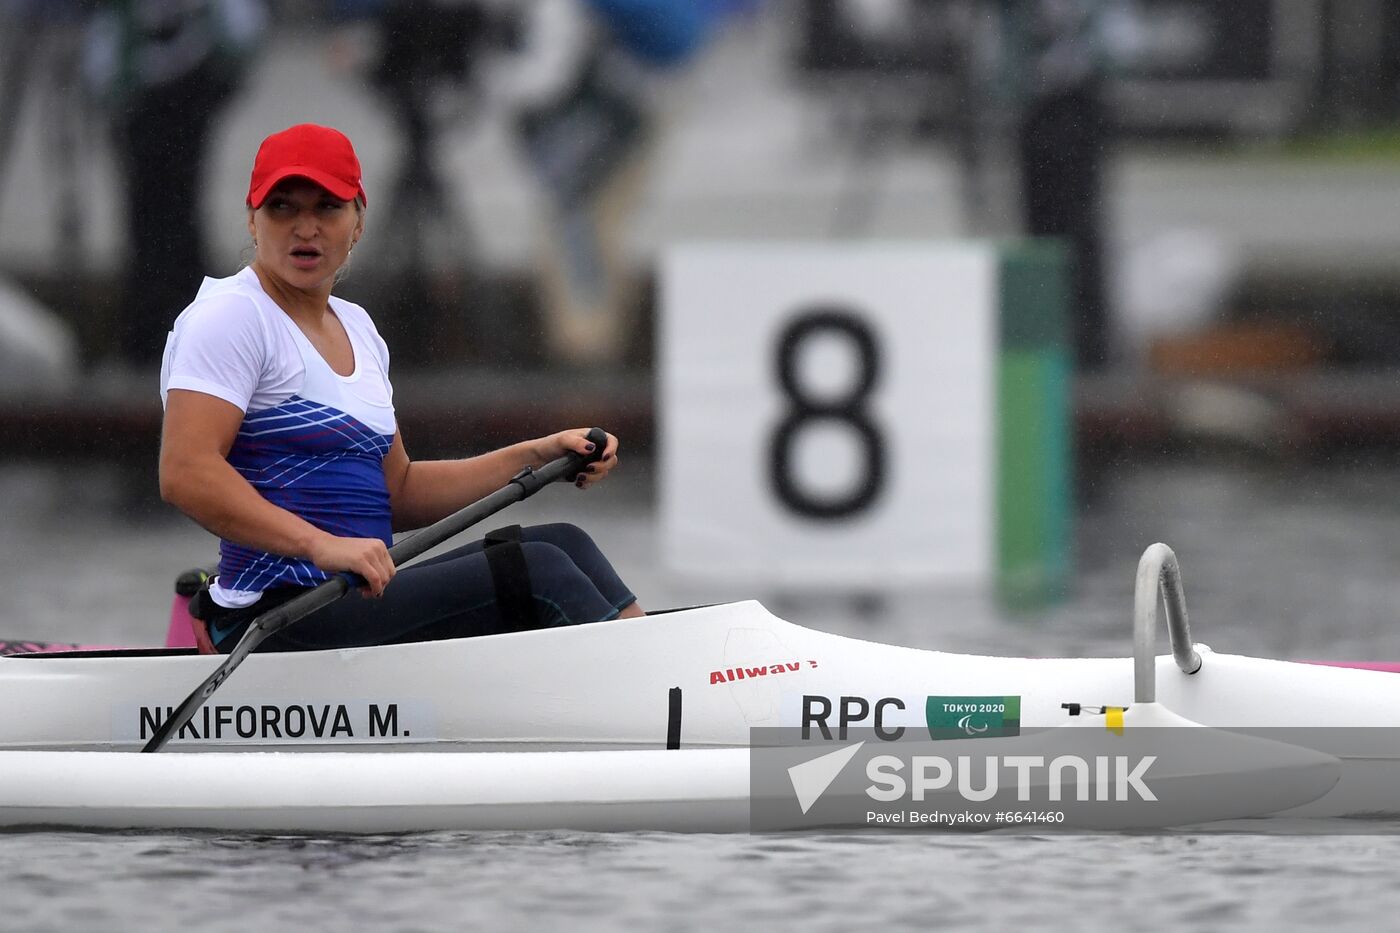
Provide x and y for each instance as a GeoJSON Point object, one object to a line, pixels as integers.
{"type": "Point", "coordinates": [697, 790]}
{"type": "Point", "coordinates": [378, 792]}
{"type": "Point", "coordinates": [476, 715]}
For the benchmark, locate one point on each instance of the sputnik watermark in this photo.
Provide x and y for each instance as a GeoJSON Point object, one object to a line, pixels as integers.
{"type": "Point", "coordinates": [1116, 777]}
{"type": "Point", "coordinates": [810, 779]}
{"type": "Point", "coordinates": [957, 819]}
{"type": "Point", "coordinates": [1085, 776]}
{"type": "Point", "coordinates": [1082, 778]}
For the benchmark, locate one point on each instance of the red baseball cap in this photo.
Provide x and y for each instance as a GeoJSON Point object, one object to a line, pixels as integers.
{"type": "Point", "coordinates": [318, 153]}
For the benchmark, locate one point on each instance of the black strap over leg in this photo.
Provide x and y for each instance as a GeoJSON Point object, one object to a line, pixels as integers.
{"type": "Point", "coordinates": [511, 578]}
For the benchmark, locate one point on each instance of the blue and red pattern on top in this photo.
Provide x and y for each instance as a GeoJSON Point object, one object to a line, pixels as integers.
{"type": "Point", "coordinates": [317, 462]}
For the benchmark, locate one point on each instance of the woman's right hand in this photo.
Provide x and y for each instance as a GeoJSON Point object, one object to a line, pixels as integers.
{"type": "Point", "coordinates": [367, 557]}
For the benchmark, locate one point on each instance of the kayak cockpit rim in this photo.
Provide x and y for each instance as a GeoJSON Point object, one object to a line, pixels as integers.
{"type": "Point", "coordinates": [102, 653]}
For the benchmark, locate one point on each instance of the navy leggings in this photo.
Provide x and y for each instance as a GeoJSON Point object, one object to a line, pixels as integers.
{"type": "Point", "coordinates": [449, 596]}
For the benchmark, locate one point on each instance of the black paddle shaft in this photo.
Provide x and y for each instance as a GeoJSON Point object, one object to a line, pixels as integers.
{"type": "Point", "coordinates": [521, 486]}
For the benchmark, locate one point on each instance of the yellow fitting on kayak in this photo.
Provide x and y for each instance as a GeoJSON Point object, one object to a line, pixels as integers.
{"type": "Point", "coordinates": [1113, 718]}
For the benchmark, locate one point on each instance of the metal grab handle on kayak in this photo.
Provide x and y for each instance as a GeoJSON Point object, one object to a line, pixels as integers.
{"type": "Point", "coordinates": [1158, 570]}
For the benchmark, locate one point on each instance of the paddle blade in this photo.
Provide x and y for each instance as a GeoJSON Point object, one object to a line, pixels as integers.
{"type": "Point", "coordinates": [186, 710]}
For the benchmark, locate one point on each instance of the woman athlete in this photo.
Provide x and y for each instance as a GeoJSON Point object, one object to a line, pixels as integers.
{"type": "Point", "coordinates": [280, 437]}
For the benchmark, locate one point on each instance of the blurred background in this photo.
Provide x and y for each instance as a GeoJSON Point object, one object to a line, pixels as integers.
{"type": "Point", "coordinates": [1225, 179]}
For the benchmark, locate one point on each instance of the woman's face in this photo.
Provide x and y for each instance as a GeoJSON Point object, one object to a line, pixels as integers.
{"type": "Point", "coordinates": [303, 234]}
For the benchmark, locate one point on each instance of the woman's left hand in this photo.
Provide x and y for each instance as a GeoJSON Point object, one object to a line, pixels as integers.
{"type": "Point", "coordinates": [576, 440]}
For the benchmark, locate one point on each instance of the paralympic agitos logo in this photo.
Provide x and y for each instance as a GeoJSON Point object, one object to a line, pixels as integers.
{"type": "Point", "coordinates": [946, 717]}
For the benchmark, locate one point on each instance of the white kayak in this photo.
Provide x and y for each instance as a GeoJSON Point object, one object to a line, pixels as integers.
{"type": "Point", "coordinates": [644, 724]}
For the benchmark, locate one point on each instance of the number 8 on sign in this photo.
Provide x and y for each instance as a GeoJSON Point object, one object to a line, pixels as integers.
{"type": "Point", "coordinates": [849, 408]}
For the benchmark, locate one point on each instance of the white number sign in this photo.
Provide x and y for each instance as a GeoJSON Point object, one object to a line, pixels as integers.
{"type": "Point", "coordinates": [827, 412]}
